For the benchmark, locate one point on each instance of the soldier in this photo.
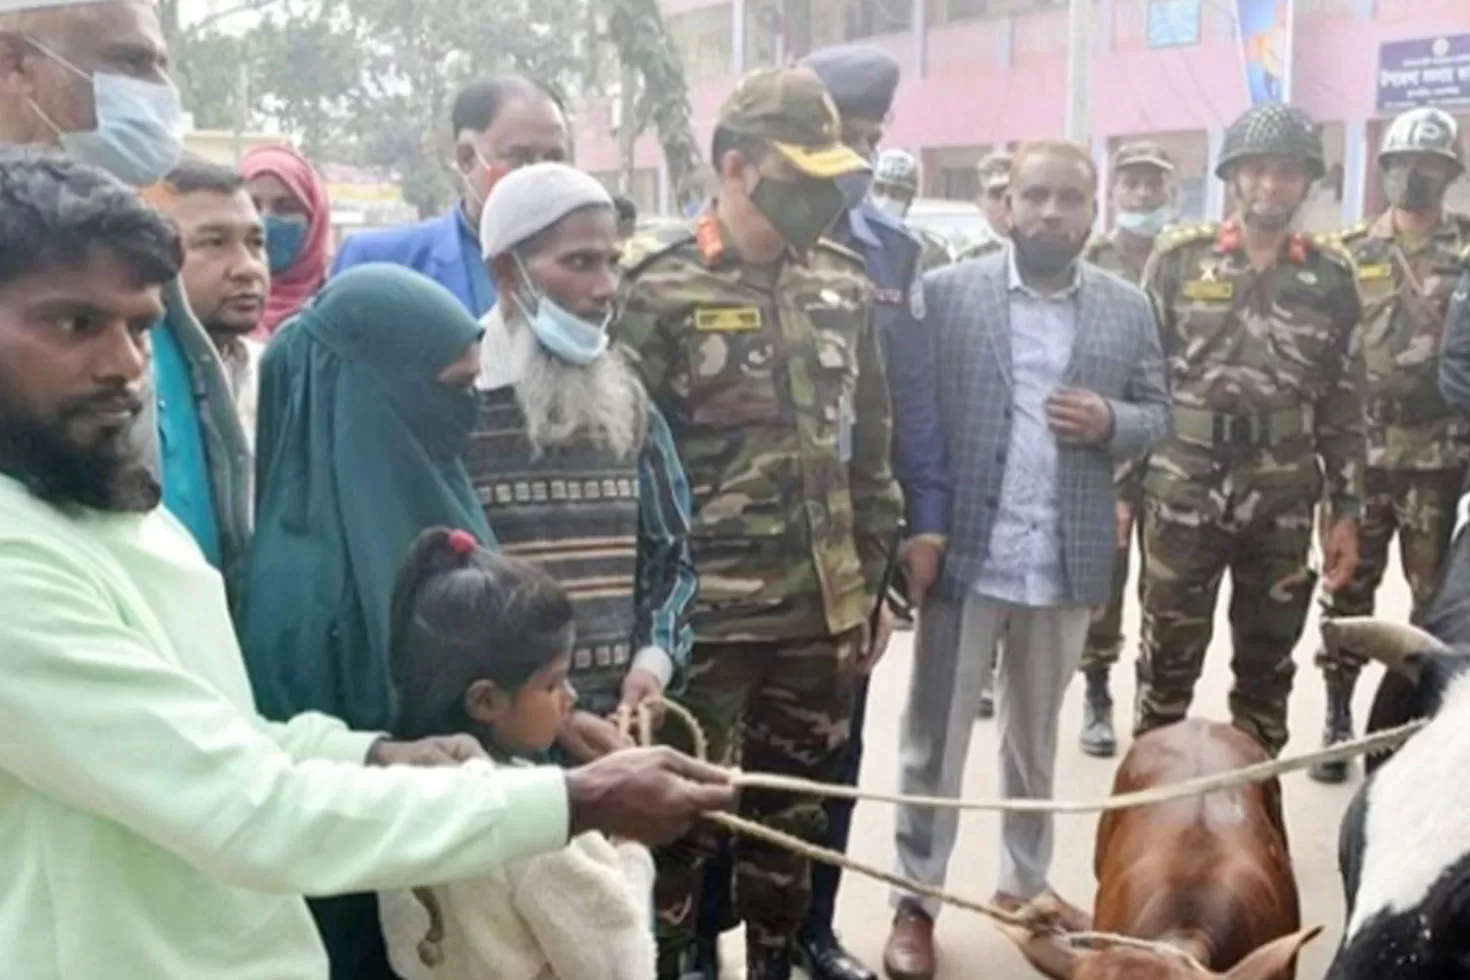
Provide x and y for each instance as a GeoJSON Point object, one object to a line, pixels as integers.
{"type": "Point", "coordinates": [1143, 201]}
{"type": "Point", "coordinates": [895, 185]}
{"type": "Point", "coordinates": [756, 339]}
{"type": "Point", "coordinates": [995, 182]}
{"type": "Point", "coordinates": [862, 80]}
{"type": "Point", "coordinates": [1259, 325]}
{"type": "Point", "coordinates": [1408, 263]}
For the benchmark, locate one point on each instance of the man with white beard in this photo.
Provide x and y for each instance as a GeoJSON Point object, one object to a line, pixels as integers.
{"type": "Point", "coordinates": [573, 464]}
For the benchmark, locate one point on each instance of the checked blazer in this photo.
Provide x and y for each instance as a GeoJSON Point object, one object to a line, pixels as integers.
{"type": "Point", "coordinates": [1116, 354]}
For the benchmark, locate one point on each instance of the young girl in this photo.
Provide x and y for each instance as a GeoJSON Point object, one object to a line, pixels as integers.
{"type": "Point", "coordinates": [481, 644]}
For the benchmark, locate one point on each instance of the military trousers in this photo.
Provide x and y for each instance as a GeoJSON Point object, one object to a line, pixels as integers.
{"type": "Point", "coordinates": [1186, 554]}
{"type": "Point", "coordinates": [1418, 505]}
{"type": "Point", "coordinates": [791, 703]}
{"type": "Point", "coordinates": [1105, 632]}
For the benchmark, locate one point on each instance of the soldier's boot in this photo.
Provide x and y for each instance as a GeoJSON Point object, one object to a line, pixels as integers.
{"type": "Point", "coordinates": [700, 961]}
{"type": "Point", "coordinates": [1099, 740]}
{"type": "Point", "coordinates": [765, 963]}
{"type": "Point", "coordinates": [1338, 728]}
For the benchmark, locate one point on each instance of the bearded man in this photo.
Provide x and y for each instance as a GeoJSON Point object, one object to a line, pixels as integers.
{"type": "Point", "coordinates": [575, 467]}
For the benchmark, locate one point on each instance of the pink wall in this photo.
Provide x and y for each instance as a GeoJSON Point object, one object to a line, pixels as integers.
{"type": "Point", "coordinates": [968, 97]}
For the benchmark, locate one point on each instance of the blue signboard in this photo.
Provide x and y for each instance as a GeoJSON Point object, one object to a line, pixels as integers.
{"type": "Point", "coordinates": [1172, 23]}
{"type": "Point", "coordinates": [1424, 71]}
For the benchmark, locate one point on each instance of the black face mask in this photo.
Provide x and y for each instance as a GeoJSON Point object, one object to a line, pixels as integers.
{"type": "Point", "coordinates": [107, 477]}
{"type": "Point", "coordinates": [800, 212]}
{"type": "Point", "coordinates": [1412, 189]}
{"type": "Point", "coordinates": [1044, 257]}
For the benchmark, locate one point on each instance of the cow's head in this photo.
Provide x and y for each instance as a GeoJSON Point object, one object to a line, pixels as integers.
{"type": "Point", "coordinates": [1403, 848]}
{"type": "Point", "coordinates": [1057, 957]}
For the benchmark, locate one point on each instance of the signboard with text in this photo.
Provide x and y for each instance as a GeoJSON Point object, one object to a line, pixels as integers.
{"type": "Point", "coordinates": [1424, 71]}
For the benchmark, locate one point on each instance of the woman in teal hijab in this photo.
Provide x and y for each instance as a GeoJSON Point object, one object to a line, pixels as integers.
{"type": "Point", "coordinates": [365, 411]}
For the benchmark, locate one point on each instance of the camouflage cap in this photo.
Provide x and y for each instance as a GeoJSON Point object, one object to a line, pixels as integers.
{"type": "Point", "coordinates": [791, 109]}
{"type": "Point", "coordinates": [1143, 153]}
{"type": "Point", "coordinates": [995, 169]}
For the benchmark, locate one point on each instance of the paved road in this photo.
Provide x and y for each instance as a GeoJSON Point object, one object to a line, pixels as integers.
{"type": "Point", "coordinates": [969, 946]}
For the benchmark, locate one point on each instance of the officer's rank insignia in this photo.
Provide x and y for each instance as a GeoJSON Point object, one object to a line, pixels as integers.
{"type": "Point", "coordinates": [1381, 270]}
{"type": "Point", "coordinates": [730, 319]}
{"type": "Point", "coordinates": [1208, 288]}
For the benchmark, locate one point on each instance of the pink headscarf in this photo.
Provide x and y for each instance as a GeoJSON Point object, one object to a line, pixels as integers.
{"type": "Point", "coordinates": [291, 289]}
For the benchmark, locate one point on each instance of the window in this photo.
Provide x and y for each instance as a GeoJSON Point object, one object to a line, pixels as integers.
{"type": "Point", "coordinates": [704, 42]}
{"type": "Point", "coordinates": [958, 184]}
{"type": "Point", "coordinates": [966, 9]}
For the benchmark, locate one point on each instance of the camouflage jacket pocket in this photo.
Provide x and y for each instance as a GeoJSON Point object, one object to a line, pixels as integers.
{"type": "Point", "coordinates": [733, 378]}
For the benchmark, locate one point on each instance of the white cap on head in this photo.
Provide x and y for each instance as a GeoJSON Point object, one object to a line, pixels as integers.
{"type": "Point", "coordinates": [531, 199]}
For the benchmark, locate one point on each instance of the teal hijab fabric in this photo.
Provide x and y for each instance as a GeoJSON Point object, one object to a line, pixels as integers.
{"type": "Point", "coordinates": [358, 450]}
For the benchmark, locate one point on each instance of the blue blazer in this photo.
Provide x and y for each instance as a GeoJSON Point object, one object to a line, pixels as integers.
{"type": "Point", "coordinates": [435, 248]}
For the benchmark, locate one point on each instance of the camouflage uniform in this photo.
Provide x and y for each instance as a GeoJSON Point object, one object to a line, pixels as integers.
{"type": "Point", "coordinates": [1105, 635]}
{"type": "Point", "coordinates": [1266, 383]}
{"type": "Point", "coordinates": [936, 253]}
{"type": "Point", "coordinates": [1417, 444]}
{"type": "Point", "coordinates": [994, 170]}
{"type": "Point", "coordinates": [772, 382]}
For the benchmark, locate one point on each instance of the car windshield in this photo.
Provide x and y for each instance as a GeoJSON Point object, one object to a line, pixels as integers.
{"type": "Point", "coordinates": [960, 227]}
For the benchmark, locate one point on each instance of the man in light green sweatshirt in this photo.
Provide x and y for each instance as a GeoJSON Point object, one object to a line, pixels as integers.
{"type": "Point", "coordinates": [152, 825]}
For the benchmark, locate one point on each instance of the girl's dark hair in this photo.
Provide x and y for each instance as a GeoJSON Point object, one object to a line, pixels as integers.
{"type": "Point", "coordinates": [462, 614]}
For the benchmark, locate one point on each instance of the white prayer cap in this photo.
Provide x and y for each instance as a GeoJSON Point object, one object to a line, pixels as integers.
{"type": "Point", "coordinates": [531, 199]}
{"type": "Point", "coordinates": [17, 6]}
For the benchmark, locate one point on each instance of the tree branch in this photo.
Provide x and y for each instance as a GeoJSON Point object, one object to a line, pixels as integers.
{"type": "Point", "coordinates": [206, 22]}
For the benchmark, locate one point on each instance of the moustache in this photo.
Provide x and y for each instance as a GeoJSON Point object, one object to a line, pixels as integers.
{"type": "Point", "coordinates": [103, 403]}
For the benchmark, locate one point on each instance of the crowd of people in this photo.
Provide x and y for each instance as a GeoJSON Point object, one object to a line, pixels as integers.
{"type": "Point", "coordinates": [334, 583]}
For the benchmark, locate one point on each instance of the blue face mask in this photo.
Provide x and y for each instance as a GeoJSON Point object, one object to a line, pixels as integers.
{"type": "Point", "coordinates": [1145, 223]}
{"type": "Point", "coordinates": [284, 239]}
{"type": "Point", "coordinates": [565, 335]}
{"type": "Point", "coordinates": [138, 136]}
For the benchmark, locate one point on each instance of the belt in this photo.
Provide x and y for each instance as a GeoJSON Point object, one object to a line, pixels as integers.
{"type": "Point", "coordinates": [1418, 410]}
{"type": "Point", "coordinates": [1222, 430]}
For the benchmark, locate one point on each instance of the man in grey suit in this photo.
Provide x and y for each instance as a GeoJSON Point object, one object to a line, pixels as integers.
{"type": "Point", "coordinates": [1049, 372]}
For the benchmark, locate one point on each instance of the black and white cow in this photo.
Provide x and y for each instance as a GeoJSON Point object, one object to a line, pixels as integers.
{"type": "Point", "coordinates": [1404, 848]}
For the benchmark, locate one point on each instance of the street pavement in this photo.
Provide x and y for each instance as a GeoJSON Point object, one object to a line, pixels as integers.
{"type": "Point", "coordinates": [970, 947]}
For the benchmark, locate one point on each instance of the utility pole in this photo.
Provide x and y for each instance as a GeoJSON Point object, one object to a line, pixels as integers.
{"type": "Point", "coordinates": [1079, 69]}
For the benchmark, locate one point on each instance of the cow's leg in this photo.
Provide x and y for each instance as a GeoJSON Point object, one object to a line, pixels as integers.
{"type": "Point", "coordinates": [1340, 667]}
{"type": "Point", "coordinates": [1185, 555]}
{"type": "Point", "coordinates": [1043, 648]}
{"type": "Point", "coordinates": [1271, 590]}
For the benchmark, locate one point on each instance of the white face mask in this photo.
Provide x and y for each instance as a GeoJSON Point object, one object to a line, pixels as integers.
{"type": "Point", "coordinates": [891, 206]}
{"type": "Point", "coordinates": [138, 138]}
{"type": "Point", "coordinates": [1145, 223]}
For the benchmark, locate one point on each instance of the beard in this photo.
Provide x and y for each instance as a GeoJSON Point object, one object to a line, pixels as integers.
{"type": "Point", "coordinates": [110, 476]}
{"type": "Point", "coordinates": [603, 403]}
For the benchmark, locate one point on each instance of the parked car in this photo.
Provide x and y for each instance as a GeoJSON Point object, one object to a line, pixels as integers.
{"type": "Point", "coordinates": [959, 222]}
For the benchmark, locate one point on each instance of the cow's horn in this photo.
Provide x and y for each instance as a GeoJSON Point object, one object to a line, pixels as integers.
{"type": "Point", "coordinates": [1389, 643]}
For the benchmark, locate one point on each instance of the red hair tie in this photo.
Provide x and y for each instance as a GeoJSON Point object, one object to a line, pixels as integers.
{"type": "Point", "coordinates": [462, 543]}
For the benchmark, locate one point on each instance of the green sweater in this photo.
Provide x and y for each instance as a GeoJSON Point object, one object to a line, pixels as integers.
{"type": "Point", "coordinates": [152, 825]}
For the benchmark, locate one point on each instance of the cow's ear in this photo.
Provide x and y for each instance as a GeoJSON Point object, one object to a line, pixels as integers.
{"type": "Point", "coordinates": [1274, 961]}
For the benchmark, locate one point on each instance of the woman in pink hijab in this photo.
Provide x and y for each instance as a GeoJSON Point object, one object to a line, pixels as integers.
{"type": "Point", "coordinates": [292, 199]}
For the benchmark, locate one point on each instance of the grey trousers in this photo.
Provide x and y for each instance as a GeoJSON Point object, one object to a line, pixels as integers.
{"type": "Point", "coordinates": [956, 642]}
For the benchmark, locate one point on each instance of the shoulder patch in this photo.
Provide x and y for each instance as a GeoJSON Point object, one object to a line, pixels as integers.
{"type": "Point", "coordinates": [647, 246]}
{"type": "Point", "coordinates": [1183, 235]}
{"type": "Point", "coordinates": [1331, 248]}
{"type": "Point", "coordinates": [1356, 231]}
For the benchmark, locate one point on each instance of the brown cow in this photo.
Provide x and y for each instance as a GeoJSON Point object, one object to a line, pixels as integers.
{"type": "Point", "coordinates": [1208, 875]}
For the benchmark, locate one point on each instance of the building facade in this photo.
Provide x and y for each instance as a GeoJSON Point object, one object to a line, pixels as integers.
{"type": "Point", "coordinates": [982, 74]}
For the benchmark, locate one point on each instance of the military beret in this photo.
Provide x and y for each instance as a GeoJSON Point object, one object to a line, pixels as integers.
{"type": "Point", "coordinates": [862, 78]}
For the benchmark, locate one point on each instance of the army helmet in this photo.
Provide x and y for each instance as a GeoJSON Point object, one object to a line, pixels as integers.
{"type": "Point", "coordinates": [1424, 130]}
{"type": "Point", "coordinates": [1273, 129]}
{"type": "Point", "coordinates": [897, 168]}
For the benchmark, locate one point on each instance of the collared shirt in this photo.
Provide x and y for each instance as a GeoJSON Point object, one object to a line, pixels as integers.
{"type": "Point", "coordinates": [187, 491]}
{"type": "Point", "coordinates": [482, 288]}
{"type": "Point", "coordinates": [241, 358]}
{"type": "Point", "coordinates": [666, 578]}
{"type": "Point", "coordinates": [1024, 563]}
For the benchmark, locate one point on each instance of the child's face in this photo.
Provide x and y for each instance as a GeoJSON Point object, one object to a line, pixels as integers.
{"type": "Point", "coordinates": [528, 721]}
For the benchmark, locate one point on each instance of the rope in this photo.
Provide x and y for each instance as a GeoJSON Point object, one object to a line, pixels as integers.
{"type": "Point", "coordinates": [1034, 920]}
